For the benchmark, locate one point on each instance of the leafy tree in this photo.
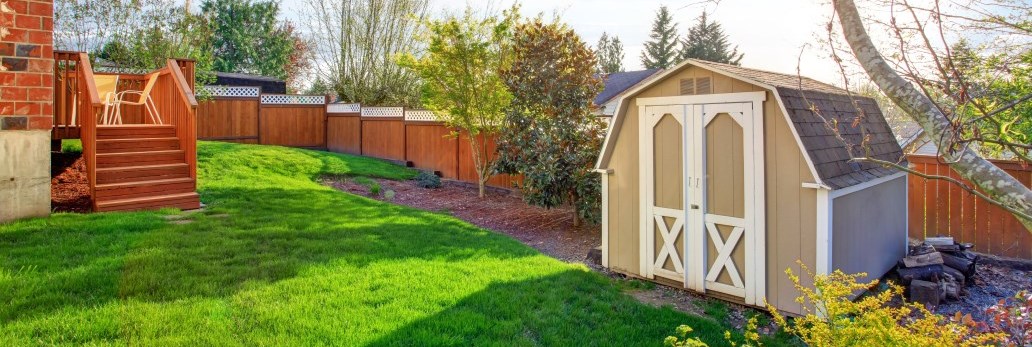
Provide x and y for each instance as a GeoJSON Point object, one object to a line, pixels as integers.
{"type": "Point", "coordinates": [358, 43]}
{"type": "Point", "coordinates": [923, 75]}
{"type": "Point", "coordinates": [461, 81]}
{"type": "Point", "coordinates": [659, 51]}
{"type": "Point", "coordinates": [610, 54]}
{"type": "Point", "coordinates": [550, 134]}
{"type": "Point", "coordinates": [707, 41]}
{"type": "Point", "coordinates": [248, 38]}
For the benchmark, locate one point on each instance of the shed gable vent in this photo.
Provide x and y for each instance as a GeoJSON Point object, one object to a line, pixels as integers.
{"type": "Point", "coordinates": [687, 86]}
{"type": "Point", "coordinates": [695, 86]}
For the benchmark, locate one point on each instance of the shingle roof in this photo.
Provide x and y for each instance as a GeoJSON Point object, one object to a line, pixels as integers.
{"type": "Point", "coordinates": [618, 82]}
{"type": "Point", "coordinates": [830, 155]}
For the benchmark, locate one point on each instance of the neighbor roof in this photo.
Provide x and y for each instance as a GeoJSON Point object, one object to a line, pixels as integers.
{"type": "Point", "coordinates": [269, 85]}
{"type": "Point", "coordinates": [618, 82]}
{"type": "Point", "coordinates": [800, 97]}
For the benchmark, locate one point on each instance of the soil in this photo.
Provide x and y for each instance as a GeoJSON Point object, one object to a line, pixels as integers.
{"type": "Point", "coordinates": [69, 187]}
{"type": "Point", "coordinates": [995, 279]}
{"type": "Point", "coordinates": [550, 231]}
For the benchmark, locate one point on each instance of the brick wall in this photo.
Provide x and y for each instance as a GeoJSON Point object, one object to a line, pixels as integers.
{"type": "Point", "coordinates": [26, 64]}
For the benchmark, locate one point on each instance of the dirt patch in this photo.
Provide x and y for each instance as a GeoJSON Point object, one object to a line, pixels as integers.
{"type": "Point", "coordinates": [69, 188]}
{"type": "Point", "coordinates": [550, 231]}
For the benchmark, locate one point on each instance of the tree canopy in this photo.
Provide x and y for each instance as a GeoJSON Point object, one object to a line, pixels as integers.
{"type": "Point", "coordinates": [247, 37]}
{"type": "Point", "coordinates": [550, 134]}
{"type": "Point", "coordinates": [706, 41]}
{"type": "Point", "coordinates": [660, 51]}
{"type": "Point", "coordinates": [610, 54]}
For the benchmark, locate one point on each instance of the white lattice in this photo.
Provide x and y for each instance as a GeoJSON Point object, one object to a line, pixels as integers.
{"type": "Point", "coordinates": [284, 99]}
{"type": "Point", "coordinates": [383, 112]}
{"type": "Point", "coordinates": [232, 91]}
{"type": "Point", "coordinates": [420, 116]}
{"type": "Point", "coordinates": [343, 108]}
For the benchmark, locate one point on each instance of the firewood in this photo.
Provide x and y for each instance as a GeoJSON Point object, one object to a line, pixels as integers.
{"type": "Point", "coordinates": [947, 248]}
{"type": "Point", "coordinates": [956, 274]}
{"type": "Point", "coordinates": [939, 241]}
{"type": "Point", "coordinates": [962, 264]}
{"type": "Point", "coordinates": [949, 288]}
{"type": "Point", "coordinates": [925, 273]}
{"type": "Point", "coordinates": [923, 260]}
{"type": "Point", "coordinates": [925, 292]}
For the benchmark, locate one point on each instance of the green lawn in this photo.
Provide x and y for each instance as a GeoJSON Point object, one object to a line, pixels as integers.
{"type": "Point", "coordinates": [278, 259]}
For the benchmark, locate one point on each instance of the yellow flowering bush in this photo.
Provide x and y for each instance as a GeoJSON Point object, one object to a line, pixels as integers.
{"type": "Point", "coordinates": [833, 319]}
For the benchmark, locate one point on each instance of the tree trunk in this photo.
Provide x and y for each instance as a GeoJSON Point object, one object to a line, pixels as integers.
{"type": "Point", "coordinates": [479, 163]}
{"type": "Point", "coordinates": [995, 182]}
{"type": "Point", "coordinates": [576, 216]}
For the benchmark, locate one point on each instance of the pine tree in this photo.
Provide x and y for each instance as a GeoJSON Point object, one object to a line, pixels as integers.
{"type": "Point", "coordinates": [707, 41]}
{"type": "Point", "coordinates": [610, 54]}
{"type": "Point", "coordinates": [659, 51]}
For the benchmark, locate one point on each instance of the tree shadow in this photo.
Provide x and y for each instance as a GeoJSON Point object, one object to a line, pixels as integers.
{"type": "Point", "coordinates": [246, 237]}
{"type": "Point", "coordinates": [570, 308]}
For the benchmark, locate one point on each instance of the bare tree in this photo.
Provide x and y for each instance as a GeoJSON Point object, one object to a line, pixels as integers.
{"type": "Point", "coordinates": [356, 43]}
{"type": "Point", "coordinates": [935, 92]}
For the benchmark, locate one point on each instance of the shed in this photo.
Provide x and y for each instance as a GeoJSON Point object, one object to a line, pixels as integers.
{"type": "Point", "coordinates": [717, 178]}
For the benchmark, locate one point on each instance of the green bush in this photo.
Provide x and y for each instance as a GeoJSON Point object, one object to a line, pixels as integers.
{"type": "Point", "coordinates": [428, 180]}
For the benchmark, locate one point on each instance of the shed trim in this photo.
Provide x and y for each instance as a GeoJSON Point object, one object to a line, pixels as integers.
{"type": "Point", "coordinates": [703, 99]}
{"type": "Point", "coordinates": [617, 122]}
{"type": "Point", "coordinates": [865, 185]}
{"type": "Point", "coordinates": [824, 235]}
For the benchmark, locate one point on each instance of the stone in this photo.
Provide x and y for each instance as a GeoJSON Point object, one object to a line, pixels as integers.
{"type": "Point", "coordinates": [595, 256]}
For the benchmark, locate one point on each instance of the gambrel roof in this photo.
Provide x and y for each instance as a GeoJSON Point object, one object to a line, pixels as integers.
{"type": "Point", "coordinates": [812, 108]}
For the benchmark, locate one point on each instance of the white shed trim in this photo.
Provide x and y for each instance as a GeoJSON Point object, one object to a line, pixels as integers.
{"type": "Point", "coordinates": [865, 185]}
{"type": "Point", "coordinates": [605, 215]}
{"type": "Point", "coordinates": [617, 123]}
{"type": "Point", "coordinates": [824, 233]}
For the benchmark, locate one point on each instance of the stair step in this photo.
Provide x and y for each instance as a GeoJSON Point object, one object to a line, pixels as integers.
{"type": "Point", "coordinates": [142, 173]}
{"type": "Point", "coordinates": [139, 189]}
{"type": "Point", "coordinates": [128, 131]}
{"type": "Point", "coordinates": [137, 144]}
{"type": "Point", "coordinates": [124, 159]}
{"type": "Point", "coordinates": [185, 201]}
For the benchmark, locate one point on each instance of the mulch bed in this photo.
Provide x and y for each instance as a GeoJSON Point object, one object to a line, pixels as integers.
{"type": "Point", "coordinates": [550, 231]}
{"type": "Point", "coordinates": [994, 280]}
{"type": "Point", "coordinates": [69, 188]}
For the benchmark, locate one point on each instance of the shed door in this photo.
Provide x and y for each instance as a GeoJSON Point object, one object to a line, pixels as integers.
{"type": "Point", "coordinates": [662, 150]}
{"type": "Point", "coordinates": [725, 172]}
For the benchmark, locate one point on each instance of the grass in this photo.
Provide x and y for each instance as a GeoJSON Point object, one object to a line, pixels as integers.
{"type": "Point", "coordinates": [71, 146]}
{"type": "Point", "coordinates": [278, 259]}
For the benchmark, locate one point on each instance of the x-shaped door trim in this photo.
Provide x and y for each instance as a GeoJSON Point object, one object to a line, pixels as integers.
{"type": "Point", "coordinates": [724, 250]}
{"type": "Point", "coordinates": [669, 249]}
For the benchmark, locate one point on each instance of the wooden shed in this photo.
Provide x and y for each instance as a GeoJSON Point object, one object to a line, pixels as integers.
{"type": "Point", "coordinates": [718, 178]}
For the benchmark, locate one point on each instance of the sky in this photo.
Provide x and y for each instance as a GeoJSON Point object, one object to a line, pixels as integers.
{"type": "Point", "coordinates": [771, 33]}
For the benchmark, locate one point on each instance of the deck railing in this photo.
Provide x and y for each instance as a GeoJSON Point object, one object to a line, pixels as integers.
{"type": "Point", "coordinates": [78, 106]}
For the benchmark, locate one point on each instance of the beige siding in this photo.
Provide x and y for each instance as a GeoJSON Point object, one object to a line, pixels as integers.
{"type": "Point", "coordinates": [869, 228]}
{"type": "Point", "coordinates": [791, 209]}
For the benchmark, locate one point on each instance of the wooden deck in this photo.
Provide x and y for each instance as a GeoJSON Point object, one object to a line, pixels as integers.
{"type": "Point", "coordinates": [141, 163]}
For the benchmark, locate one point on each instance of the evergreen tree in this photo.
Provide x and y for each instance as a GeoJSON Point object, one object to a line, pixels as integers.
{"type": "Point", "coordinates": [248, 37]}
{"type": "Point", "coordinates": [610, 54]}
{"type": "Point", "coordinates": [659, 51]}
{"type": "Point", "coordinates": [707, 41]}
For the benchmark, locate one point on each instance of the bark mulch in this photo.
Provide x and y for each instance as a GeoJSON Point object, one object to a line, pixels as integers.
{"type": "Point", "coordinates": [69, 188]}
{"type": "Point", "coordinates": [550, 231]}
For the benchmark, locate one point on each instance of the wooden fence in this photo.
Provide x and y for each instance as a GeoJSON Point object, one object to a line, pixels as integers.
{"type": "Point", "coordinates": [940, 208]}
{"type": "Point", "coordinates": [244, 115]}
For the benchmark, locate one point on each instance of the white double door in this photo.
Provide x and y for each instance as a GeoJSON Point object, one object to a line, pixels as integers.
{"type": "Point", "coordinates": [700, 183]}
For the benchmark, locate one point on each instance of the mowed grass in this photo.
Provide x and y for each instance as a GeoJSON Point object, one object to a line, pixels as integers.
{"type": "Point", "coordinates": [276, 259]}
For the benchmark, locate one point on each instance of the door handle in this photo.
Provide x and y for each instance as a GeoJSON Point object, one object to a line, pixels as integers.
{"type": "Point", "coordinates": [695, 207]}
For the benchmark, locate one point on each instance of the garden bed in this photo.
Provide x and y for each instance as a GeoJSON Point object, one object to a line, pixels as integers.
{"type": "Point", "coordinates": [69, 187]}
{"type": "Point", "coordinates": [550, 231]}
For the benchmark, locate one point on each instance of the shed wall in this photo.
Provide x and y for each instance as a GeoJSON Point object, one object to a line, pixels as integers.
{"type": "Point", "coordinates": [869, 228]}
{"type": "Point", "coordinates": [791, 209]}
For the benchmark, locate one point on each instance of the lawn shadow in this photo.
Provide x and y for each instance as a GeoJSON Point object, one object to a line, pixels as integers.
{"type": "Point", "coordinates": [571, 308]}
{"type": "Point", "coordinates": [247, 237]}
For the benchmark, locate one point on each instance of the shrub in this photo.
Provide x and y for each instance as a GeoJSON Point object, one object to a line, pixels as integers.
{"type": "Point", "coordinates": [1011, 316]}
{"type": "Point", "coordinates": [388, 195]}
{"type": "Point", "coordinates": [428, 180]}
{"type": "Point", "coordinates": [833, 319]}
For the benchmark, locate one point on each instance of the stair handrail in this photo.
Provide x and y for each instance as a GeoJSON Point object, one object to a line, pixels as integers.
{"type": "Point", "coordinates": [88, 107]}
{"type": "Point", "coordinates": [185, 122]}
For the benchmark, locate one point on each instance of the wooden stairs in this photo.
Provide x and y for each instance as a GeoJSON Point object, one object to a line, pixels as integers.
{"type": "Point", "coordinates": [141, 166]}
